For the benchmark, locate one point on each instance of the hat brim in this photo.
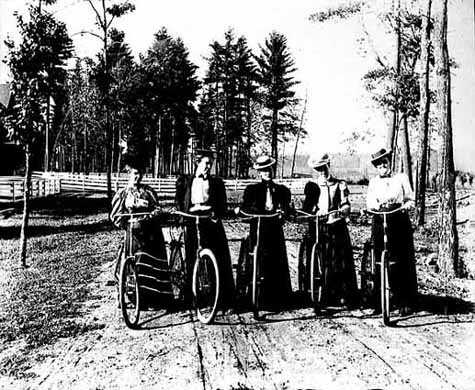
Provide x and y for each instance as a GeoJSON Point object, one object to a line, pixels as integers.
{"type": "Point", "coordinates": [260, 167]}
{"type": "Point", "coordinates": [387, 154]}
{"type": "Point", "coordinates": [319, 164]}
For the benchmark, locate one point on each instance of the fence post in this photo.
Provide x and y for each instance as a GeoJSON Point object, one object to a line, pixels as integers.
{"type": "Point", "coordinates": [235, 184]}
{"type": "Point", "coordinates": [13, 190]}
{"type": "Point", "coordinates": [83, 184]}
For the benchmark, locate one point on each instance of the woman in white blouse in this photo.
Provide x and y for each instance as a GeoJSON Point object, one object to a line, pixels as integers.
{"type": "Point", "coordinates": [386, 192]}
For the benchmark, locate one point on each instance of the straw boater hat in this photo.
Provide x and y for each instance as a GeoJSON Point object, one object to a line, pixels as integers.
{"type": "Point", "coordinates": [315, 162]}
{"type": "Point", "coordinates": [263, 162]}
{"type": "Point", "coordinates": [380, 154]}
{"type": "Point", "coordinates": [199, 153]}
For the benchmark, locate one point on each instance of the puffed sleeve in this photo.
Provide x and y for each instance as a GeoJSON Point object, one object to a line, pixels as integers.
{"type": "Point", "coordinates": [310, 201]}
{"type": "Point", "coordinates": [287, 198]}
{"type": "Point", "coordinates": [408, 196]}
{"type": "Point", "coordinates": [249, 200]}
{"type": "Point", "coordinates": [345, 197]}
{"type": "Point", "coordinates": [371, 200]}
{"type": "Point", "coordinates": [118, 207]}
{"type": "Point", "coordinates": [221, 200]}
{"type": "Point", "coordinates": [180, 193]}
{"type": "Point", "coordinates": [153, 198]}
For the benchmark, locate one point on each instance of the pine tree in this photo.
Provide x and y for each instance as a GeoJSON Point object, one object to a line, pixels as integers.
{"type": "Point", "coordinates": [275, 66]}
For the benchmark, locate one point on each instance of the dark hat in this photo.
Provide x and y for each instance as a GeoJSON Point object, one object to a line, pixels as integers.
{"type": "Point", "coordinates": [135, 161]}
{"type": "Point", "coordinates": [263, 162]}
{"type": "Point", "coordinates": [318, 161]}
{"type": "Point", "coordinates": [379, 155]}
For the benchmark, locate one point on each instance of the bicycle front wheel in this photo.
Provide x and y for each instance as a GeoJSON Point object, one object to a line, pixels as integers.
{"type": "Point", "coordinates": [317, 278]}
{"type": "Point", "coordinates": [129, 293]}
{"type": "Point", "coordinates": [385, 288]}
{"type": "Point", "coordinates": [206, 286]}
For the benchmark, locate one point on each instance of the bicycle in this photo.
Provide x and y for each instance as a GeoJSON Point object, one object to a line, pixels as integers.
{"type": "Point", "coordinates": [205, 281]}
{"type": "Point", "coordinates": [257, 278]}
{"type": "Point", "coordinates": [368, 278]}
{"type": "Point", "coordinates": [318, 269]}
{"type": "Point", "coordinates": [136, 274]}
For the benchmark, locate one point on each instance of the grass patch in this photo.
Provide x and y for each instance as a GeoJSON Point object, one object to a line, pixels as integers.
{"type": "Point", "coordinates": [44, 302]}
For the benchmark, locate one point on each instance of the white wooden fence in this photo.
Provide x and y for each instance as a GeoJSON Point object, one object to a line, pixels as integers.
{"type": "Point", "coordinates": [165, 187]}
{"type": "Point", "coordinates": [12, 187]}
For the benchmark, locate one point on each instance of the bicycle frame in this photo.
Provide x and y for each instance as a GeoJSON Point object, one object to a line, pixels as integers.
{"type": "Point", "coordinates": [384, 264]}
{"type": "Point", "coordinates": [255, 254]}
{"type": "Point", "coordinates": [315, 245]}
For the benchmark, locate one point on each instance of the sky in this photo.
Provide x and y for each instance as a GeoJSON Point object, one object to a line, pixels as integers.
{"type": "Point", "coordinates": [330, 58]}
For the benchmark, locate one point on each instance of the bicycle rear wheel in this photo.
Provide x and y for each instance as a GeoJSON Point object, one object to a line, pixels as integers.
{"type": "Point", "coordinates": [301, 268]}
{"type": "Point", "coordinates": [256, 284]}
{"type": "Point", "coordinates": [385, 288]}
{"type": "Point", "coordinates": [206, 286]}
{"type": "Point", "coordinates": [317, 278]}
{"type": "Point", "coordinates": [129, 293]}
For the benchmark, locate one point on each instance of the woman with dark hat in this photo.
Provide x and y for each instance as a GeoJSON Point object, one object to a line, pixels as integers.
{"type": "Point", "coordinates": [322, 196]}
{"type": "Point", "coordinates": [267, 197]}
{"type": "Point", "coordinates": [136, 197]}
{"type": "Point", "coordinates": [205, 194]}
{"type": "Point", "coordinates": [387, 192]}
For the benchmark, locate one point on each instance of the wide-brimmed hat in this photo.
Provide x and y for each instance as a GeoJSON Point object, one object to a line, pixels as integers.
{"type": "Point", "coordinates": [135, 161]}
{"type": "Point", "coordinates": [263, 162]}
{"type": "Point", "coordinates": [315, 162]}
{"type": "Point", "coordinates": [379, 155]}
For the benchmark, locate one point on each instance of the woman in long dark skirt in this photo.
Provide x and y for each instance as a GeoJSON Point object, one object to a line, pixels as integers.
{"type": "Point", "coordinates": [268, 197]}
{"type": "Point", "coordinates": [324, 195]}
{"type": "Point", "coordinates": [387, 192]}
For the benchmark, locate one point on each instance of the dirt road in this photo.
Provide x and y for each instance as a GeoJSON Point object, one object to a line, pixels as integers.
{"type": "Point", "coordinates": [294, 349]}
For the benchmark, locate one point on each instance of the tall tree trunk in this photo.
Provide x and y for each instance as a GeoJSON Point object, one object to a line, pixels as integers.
{"type": "Point", "coordinates": [448, 237]}
{"type": "Point", "coordinates": [424, 109]}
{"type": "Point", "coordinates": [391, 141]}
{"type": "Point", "coordinates": [47, 131]}
{"type": "Point", "coordinates": [157, 148]}
{"type": "Point", "coordinates": [26, 205]}
{"type": "Point", "coordinates": [274, 138]}
{"type": "Point", "coordinates": [298, 136]}
{"type": "Point", "coordinates": [406, 150]}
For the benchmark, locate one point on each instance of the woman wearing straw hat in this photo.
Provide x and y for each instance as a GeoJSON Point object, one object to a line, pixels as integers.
{"type": "Point", "coordinates": [268, 197]}
{"type": "Point", "coordinates": [386, 192]}
{"type": "Point", "coordinates": [322, 196]}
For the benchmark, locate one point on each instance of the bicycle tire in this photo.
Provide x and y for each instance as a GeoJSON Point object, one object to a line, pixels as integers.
{"type": "Point", "coordinates": [317, 278]}
{"type": "Point", "coordinates": [301, 267]}
{"type": "Point", "coordinates": [129, 293]}
{"type": "Point", "coordinates": [255, 285]}
{"type": "Point", "coordinates": [206, 286]}
{"type": "Point", "coordinates": [367, 272]}
{"type": "Point", "coordinates": [385, 288]}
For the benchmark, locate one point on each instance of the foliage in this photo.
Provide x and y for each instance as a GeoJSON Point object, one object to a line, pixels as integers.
{"type": "Point", "coordinates": [275, 68]}
{"type": "Point", "coordinates": [339, 12]}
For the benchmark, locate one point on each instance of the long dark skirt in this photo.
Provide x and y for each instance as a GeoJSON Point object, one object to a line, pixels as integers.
{"type": "Point", "coordinates": [213, 237]}
{"type": "Point", "coordinates": [147, 237]}
{"type": "Point", "coordinates": [338, 252]}
{"type": "Point", "coordinates": [276, 286]}
{"type": "Point", "coordinates": [402, 275]}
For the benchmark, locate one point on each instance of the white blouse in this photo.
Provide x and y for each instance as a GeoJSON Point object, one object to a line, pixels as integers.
{"type": "Point", "coordinates": [393, 189]}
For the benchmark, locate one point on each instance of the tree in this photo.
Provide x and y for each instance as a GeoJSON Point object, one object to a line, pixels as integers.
{"type": "Point", "coordinates": [424, 109]}
{"type": "Point", "coordinates": [275, 66]}
{"type": "Point", "coordinates": [30, 63]}
{"type": "Point", "coordinates": [105, 15]}
{"type": "Point", "coordinates": [448, 237]}
{"type": "Point", "coordinates": [168, 88]}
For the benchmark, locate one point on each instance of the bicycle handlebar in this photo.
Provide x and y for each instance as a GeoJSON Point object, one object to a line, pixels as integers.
{"type": "Point", "coordinates": [309, 215]}
{"type": "Point", "coordinates": [382, 212]}
{"type": "Point", "coordinates": [273, 215]}
{"type": "Point", "coordinates": [187, 215]}
{"type": "Point", "coordinates": [134, 214]}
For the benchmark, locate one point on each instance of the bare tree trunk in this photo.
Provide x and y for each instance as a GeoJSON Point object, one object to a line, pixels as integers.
{"type": "Point", "coordinates": [47, 130]}
{"type": "Point", "coordinates": [448, 236]}
{"type": "Point", "coordinates": [298, 136]}
{"type": "Point", "coordinates": [406, 151]}
{"type": "Point", "coordinates": [274, 127]}
{"type": "Point", "coordinates": [26, 205]}
{"type": "Point", "coordinates": [424, 110]}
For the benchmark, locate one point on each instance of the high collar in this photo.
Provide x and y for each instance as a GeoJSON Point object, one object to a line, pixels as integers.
{"type": "Point", "coordinates": [326, 180]}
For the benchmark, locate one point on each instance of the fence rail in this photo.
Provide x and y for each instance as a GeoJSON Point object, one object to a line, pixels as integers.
{"type": "Point", "coordinates": [164, 186]}
{"type": "Point", "coordinates": [12, 187]}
